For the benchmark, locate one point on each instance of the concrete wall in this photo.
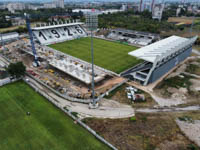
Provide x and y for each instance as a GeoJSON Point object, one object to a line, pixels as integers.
{"type": "Point", "coordinates": [167, 66]}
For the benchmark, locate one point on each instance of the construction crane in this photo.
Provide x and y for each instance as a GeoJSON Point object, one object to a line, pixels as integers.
{"type": "Point", "coordinates": [36, 62]}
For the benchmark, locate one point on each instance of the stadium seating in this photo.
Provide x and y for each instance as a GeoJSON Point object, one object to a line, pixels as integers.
{"type": "Point", "coordinates": [48, 36]}
{"type": "Point", "coordinates": [132, 40]}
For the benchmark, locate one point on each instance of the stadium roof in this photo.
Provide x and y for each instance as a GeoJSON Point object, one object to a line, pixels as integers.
{"type": "Point", "coordinates": [57, 26]}
{"type": "Point", "coordinates": [161, 48]}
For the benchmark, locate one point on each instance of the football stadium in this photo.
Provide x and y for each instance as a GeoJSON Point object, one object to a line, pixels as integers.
{"type": "Point", "coordinates": [65, 48]}
{"type": "Point", "coordinates": [58, 59]}
{"type": "Point", "coordinates": [109, 55]}
{"type": "Point", "coordinates": [144, 65]}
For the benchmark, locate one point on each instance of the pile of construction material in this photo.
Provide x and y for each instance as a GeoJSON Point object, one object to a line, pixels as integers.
{"type": "Point", "coordinates": [133, 94]}
{"type": "Point", "coordinates": [77, 70]}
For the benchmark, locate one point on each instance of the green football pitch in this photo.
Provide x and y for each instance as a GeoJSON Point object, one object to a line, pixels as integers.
{"type": "Point", "coordinates": [47, 128]}
{"type": "Point", "coordinates": [109, 55]}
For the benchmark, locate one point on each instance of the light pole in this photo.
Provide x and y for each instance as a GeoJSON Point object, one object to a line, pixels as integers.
{"type": "Point", "coordinates": [92, 24]}
{"type": "Point", "coordinates": [2, 44]}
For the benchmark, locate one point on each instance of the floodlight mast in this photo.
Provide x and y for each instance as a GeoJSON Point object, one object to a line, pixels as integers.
{"type": "Point", "coordinates": [2, 43]}
{"type": "Point", "coordinates": [193, 19]}
{"type": "Point", "coordinates": [92, 24]}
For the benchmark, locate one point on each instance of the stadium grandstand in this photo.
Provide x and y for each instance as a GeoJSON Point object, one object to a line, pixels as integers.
{"type": "Point", "coordinates": [159, 58]}
{"type": "Point", "coordinates": [133, 37]}
{"type": "Point", "coordinates": [51, 34]}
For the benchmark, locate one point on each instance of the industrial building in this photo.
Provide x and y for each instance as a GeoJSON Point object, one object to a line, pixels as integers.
{"type": "Point", "coordinates": [159, 58]}
{"type": "Point", "coordinates": [8, 37]}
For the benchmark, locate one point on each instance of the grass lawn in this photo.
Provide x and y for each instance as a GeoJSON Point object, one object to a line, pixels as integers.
{"type": "Point", "coordinates": [47, 128]}
{"type": "Point", "coordinates": [109, 55]}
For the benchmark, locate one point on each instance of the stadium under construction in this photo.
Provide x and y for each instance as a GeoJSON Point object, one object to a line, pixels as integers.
{"type": "Point", "coordinates": [159, 58]}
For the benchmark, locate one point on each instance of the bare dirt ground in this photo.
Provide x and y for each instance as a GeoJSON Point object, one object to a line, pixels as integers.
{"type": "Point", "coordinates": [108, 84]}
{"type": "Point", "coordinates": [146, 132]}
{"type": "Point", "coordinates": [183, 33]}
{"type": "Point", "coordinates": [120, 95]}
{"type": "Point", "coordinates": [191, 130]}
{"type": "Point", "coordinates": [186, 20]}
{"type": "Point", "coordinates": [168, 95]}
{"type": "Point", "coordinates": [195, 84]}
{"type": "Point", "coordinates": [181, 86]}
{"type": "Point", "coordinates": [186, 92]}
{"type": "Point", "coordinates": [106, 109]}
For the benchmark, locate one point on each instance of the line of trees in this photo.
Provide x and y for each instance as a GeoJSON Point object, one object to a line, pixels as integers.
{"type": "Point", "coordinates": [134, 21]}
{"type": "Point", "coordinates": [3, 22]}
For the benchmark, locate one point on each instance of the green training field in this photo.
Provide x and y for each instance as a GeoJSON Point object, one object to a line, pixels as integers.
{"type": "Point", "coordinates": [109, 55]}
{"type": "Point", "coordinates": [47, 128]}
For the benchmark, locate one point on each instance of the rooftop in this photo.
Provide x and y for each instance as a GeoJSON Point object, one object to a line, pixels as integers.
{"type": "Point", "coordinates": [11, 33]}
{"type": "Point", "coordinates": [161, 48]}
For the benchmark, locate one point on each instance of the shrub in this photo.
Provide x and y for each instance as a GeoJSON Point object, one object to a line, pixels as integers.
{"type": "Point", "coordinates": [185, 118]}
{"type": "Point", "coordinates": [75, 114]}
{"type": "Point", "coordinates": [192, 147]}
{"type": "Point", "coordinates": [133, 119]}
{"type": "Point", "coordinates": [144, 119]}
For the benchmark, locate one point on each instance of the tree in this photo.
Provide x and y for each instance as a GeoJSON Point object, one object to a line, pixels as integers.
{"type": "Point", "coordinates": [16, 70]}
{"type": "Point", "coordinates": [182, 12]}
{"type": "Point", "coordinates": [197, 41]}
{"type": "Point", "coordinates": [146, 14]}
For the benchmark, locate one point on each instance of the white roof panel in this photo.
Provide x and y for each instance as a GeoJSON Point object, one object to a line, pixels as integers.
{"type": "Point", "coordinates": [150, 52]}
{"type": "Point", "coordinates": [57, 26]}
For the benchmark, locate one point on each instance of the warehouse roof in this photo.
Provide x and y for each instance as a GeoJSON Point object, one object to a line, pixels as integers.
{"type": "Point", "coordinates": [9, 36]}
{"type": "Point", "coordinates": [162, 48]}
{"type": "Point", "coordinates": [11, 33]}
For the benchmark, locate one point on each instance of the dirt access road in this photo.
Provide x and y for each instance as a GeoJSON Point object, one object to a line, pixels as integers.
{"type": "Point", "coordinates": [106, 109]}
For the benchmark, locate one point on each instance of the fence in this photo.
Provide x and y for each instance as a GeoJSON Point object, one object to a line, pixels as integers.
{"type": "Point", "coordinates": [54, 102]}
{"type": "Point", "coordinates": [7, 81]}
{"type": "Point", "coordinates": [113, 88]}
{"type": "Point", "coordinates": [87, 101]}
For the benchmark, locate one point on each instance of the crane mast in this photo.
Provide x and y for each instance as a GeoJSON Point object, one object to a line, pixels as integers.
{"type": "Point", "coordinates": [31, 40]}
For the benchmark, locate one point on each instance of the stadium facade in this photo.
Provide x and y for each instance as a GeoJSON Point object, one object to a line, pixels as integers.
{"type": "Point", "coordinates": [159, 58]}
{"type": "Point", "coordinates": [51, 34]}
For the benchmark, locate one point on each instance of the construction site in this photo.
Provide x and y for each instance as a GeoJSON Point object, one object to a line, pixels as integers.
{"type": "Point", "coordinates": [159, 77]}
{"type": "Point", "coordinates": [65, 74]}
